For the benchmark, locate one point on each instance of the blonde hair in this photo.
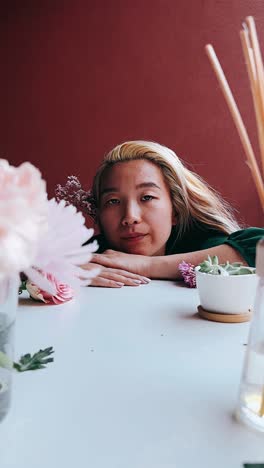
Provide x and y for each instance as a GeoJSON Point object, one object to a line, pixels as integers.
{"type": "Point", "coordinates": [192, 198]}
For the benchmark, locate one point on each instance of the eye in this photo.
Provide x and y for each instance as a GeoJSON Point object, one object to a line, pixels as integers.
{"type": "Point", "coordinates": [112, 201]}
{"type": "Point", "coordinates": [147, 198]}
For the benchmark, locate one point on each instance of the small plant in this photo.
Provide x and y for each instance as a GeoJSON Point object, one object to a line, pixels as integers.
{"type": "Point", "coordinates": [213, 267]}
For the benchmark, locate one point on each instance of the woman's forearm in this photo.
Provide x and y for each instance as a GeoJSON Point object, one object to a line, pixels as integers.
{"type": "Point", "coordinates": [167, 267]}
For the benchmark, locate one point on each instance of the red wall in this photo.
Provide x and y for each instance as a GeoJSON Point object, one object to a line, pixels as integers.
{"type": "Point", "coordinates": [79, 77]}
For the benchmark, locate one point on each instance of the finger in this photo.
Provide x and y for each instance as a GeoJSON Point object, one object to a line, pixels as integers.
{"type": "Point", "coordinates": [128, 274]}
{"type": "Point", "coordinates": [101, 259]}
{"type": "Point", "coordinates": [105, 283]}
{"type": "Point", "coordinates": [124, 273]}
{"type": "Point", "coordinates": [89, 266]}
{"type": "Point", "coordinates": [117, 277]}
{"type": "Point", "coordinates": [131, 275]}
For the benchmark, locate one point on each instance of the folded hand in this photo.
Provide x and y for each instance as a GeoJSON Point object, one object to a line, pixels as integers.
{"type": "Point", "coordinates": [115, 277]}
{"type": "Point", "coordinates": [138, 264]}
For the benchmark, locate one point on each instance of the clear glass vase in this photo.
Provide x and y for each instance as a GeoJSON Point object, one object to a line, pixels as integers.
{"type": "Point", "coordinates": [8, 307]}
{"type": "Point", "coordinates": [251, 395]}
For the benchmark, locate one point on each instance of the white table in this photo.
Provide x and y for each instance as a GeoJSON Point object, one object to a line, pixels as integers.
{"type": "Point", "coordinates": [138, 381]}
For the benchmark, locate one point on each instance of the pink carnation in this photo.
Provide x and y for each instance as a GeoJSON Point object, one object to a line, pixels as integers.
{"type": "Point", "coordinates": [188, 273]}
{"type": "Point", "coordinates": [63, 292]}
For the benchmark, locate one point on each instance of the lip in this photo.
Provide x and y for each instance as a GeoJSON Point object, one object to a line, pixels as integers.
{"type": "Point", "coordinates": [134, 236]}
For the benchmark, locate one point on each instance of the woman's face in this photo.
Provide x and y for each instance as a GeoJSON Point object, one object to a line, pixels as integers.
{"type": "Point", "coordinates": [135, 209]}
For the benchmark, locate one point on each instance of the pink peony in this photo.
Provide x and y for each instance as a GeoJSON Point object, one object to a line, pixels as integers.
{"type": "Point", "coordinates": [23, 216]}
{"type": "Point", "coordinates": [63, 292]}
{"type": "Point", "coordinates": [61, 250]}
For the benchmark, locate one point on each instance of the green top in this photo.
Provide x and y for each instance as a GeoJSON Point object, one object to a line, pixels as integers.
{"type": "Point", "coordinates": [201, 237]}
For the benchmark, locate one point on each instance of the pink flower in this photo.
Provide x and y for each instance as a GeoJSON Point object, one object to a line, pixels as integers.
{"type": "Point", "coordinates": [188, 273]}
{"type": "Point", "coordinates": [63, 292]}
{"type": "Point", "coordinates": [61, 250]}
{"type": "Point", "coordinates": [23, 216]}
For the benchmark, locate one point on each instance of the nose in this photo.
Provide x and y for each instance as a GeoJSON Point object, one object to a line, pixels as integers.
{"type": "Point", "coordinates": [131, 214]}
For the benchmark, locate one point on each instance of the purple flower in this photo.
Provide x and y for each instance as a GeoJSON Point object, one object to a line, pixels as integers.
{"type": "Point", "coordinates": [188, 274]}
{"type": "Point", "coordinates": [75, 195]}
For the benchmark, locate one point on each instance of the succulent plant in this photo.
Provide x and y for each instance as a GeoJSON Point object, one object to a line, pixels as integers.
{"type": "Point", "coordinates": [213, 267]}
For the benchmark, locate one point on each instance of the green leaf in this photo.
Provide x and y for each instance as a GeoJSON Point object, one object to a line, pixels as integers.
{"type": "Point", "coordinates": [37, 361]}
{"type": "Point", "coordinates": [209, 260]}
{"type": "Point", "coordinates": [245, 271]}
{"type": "Point", "coordinates": [22, 287]}
{"type": "Point", "coordinates": [253, 465]}
{"type": "Point", "coordinates": [215, 260]}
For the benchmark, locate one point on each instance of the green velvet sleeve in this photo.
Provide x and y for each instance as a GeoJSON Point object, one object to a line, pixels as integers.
{"type": "Point", "coordinates": [244, 241]}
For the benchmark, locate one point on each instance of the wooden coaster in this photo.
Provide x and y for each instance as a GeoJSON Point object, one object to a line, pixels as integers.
{"type": "Point", "coordinates": [224, 318]}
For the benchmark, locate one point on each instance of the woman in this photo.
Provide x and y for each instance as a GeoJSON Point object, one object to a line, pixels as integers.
{"type": "Point", "coordinates": [153, 213]}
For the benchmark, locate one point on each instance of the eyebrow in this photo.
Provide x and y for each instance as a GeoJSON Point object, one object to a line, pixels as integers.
{"type": "Point", "coordinates": [142, 185]}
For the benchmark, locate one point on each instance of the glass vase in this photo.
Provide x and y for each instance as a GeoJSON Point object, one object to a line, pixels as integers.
{"type": "Point", "coordinates": [8, 307]}
{"type": "Point", "coordinates": [251, 396]}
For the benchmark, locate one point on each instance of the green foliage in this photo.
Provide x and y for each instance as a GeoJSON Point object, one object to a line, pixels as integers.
{"type": "Point", "coordinates": [22, 287]}
{"type": "Point", "coordinates": [213, 267]}
{"type": "Point", "coordinates": [37, 361]}
{"type": "Point", "coordinates": [253, 465]}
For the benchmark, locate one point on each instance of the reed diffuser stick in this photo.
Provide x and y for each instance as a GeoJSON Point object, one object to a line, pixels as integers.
{"type": "Point", "coordinates": [257, 56]}
{"type": "Point", "coordinates": [252, 75]}
{"type": "Point", "coordinates": [251, 160]}
{"type": "Point", "coordinates": [259, 88]}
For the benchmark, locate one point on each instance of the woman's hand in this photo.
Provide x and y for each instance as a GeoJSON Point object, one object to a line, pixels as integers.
{"type": "Point", "coordinates": [115, 277]}
{"type": "Point", "coordinates": [138, 264]}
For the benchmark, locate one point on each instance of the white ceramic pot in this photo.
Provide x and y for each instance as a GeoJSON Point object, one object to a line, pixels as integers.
{"type": "Point", "coordinates": [234, 294]}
